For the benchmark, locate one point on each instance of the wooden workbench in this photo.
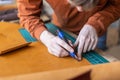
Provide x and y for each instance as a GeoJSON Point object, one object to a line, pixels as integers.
{"type": "Point", "coordinates": [31, 59]}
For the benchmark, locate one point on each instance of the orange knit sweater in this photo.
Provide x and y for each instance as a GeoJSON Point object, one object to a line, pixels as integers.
{"type": "Point", "coordinates": [66, 16]}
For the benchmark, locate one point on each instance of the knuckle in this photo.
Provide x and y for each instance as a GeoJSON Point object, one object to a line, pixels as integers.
{"type": "Point", "coordinates": [92, 40]}
{"type": "Point", "coordinates": [82, 37]}
{"type": "Point", "coordinates": [63, 54]}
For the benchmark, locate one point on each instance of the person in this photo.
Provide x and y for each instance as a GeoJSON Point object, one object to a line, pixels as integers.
{"type": "Point", "coordinates": [87, 24]}
{"type": "Point", "coordinates": [87, 7]}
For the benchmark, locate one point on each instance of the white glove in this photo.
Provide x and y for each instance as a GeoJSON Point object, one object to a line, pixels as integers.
{"type": "Point", "coordinates": [55, 45]}
{"type": "Point", "coordinates": [86, 40]}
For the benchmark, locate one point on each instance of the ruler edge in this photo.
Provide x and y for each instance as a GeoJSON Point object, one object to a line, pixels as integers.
{"type": "Point", "coordinates": [101, 53]}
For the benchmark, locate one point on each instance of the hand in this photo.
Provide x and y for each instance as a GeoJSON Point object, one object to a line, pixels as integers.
{"type": "Point", "coordinates": [55, 45]}
{"type": "Point", "coordinates": [86, 40]}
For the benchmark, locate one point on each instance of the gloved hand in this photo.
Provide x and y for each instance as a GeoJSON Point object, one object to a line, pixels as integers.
{"type": "Point", "coordinates": [55, 45]}
{"type": "Point", "coordinates": [86, 40]}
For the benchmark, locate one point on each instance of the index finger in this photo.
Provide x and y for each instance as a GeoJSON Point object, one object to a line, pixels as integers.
{"type": "Point", "coordinates": [80, 47]}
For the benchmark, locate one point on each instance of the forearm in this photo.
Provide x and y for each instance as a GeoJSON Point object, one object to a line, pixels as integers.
{"type": "Point", "coordinates": [102, 19]}
{"type": "Point", "coordinates": [29, 14]}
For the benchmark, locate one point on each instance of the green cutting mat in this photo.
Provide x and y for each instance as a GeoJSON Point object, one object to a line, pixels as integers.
{"type": "Point", "coordinates": [92, 56]}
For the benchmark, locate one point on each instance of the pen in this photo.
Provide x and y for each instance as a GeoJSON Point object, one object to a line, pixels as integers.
{"type": "Point", "coordinates": [61, 36]}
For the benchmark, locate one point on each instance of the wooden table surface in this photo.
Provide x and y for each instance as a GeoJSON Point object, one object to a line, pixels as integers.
{"type": "Point", "coordinates": [31, 59]}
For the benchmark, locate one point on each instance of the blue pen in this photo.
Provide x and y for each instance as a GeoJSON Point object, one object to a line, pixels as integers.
{"type": "Point", "coordinates": [61, 36]}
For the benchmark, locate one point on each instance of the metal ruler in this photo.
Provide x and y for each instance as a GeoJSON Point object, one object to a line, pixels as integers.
{"type": "Point", "coordinates": [92, 56]}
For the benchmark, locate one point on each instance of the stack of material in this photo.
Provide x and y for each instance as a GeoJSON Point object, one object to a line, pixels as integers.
{"type": "Point", "coordinates": [8, 15]}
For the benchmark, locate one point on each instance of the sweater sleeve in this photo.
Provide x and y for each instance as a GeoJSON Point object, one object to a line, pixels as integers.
{"type": "Point", "coordinates": [29, 14]}
{"type": "Point", "coordinates": [102, 19]}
